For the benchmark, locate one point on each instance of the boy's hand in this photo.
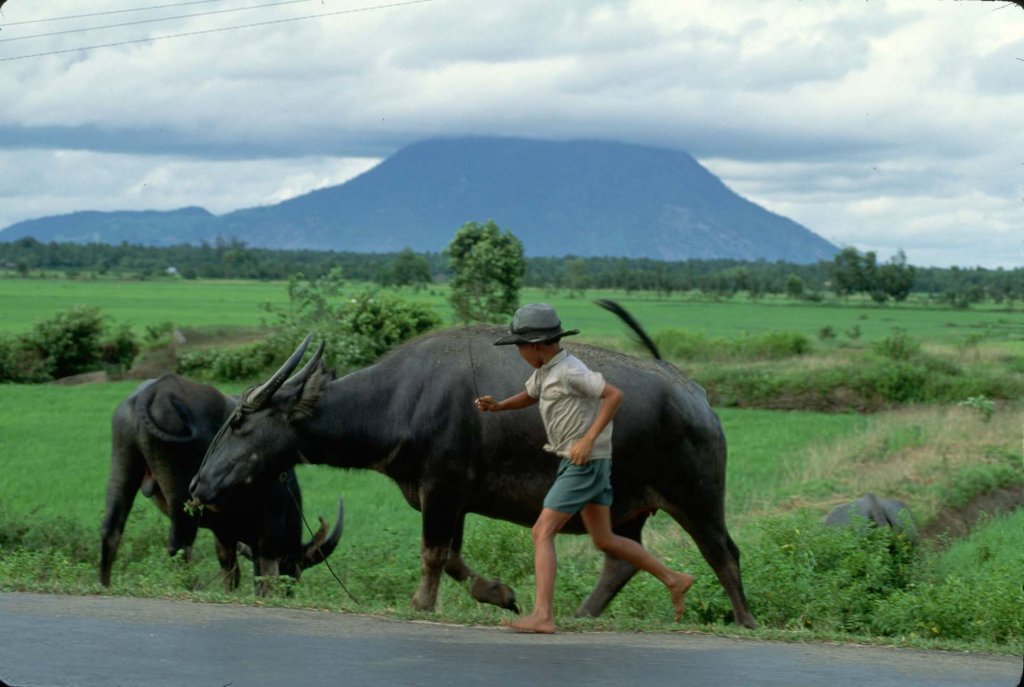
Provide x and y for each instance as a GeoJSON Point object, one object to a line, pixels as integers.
{"type": "Point", "coordinates": [487, 404]}
{"type": "Point", "coordinates": [579, 453]}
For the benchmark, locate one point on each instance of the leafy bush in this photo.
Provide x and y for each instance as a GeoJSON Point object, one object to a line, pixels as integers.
{"type": "Point", "coordinates": [245, 363]}
{"type": "Point", "coordinates": [894, 381]}
{"type": "Point", "coordinates": [118, 351]}
{"type": "Point", "coordinates": [773, 345]}
{"type": "Point", "coordinates": [684, 345]}
{"type": "Point", "coordinates": [10, 355]}
{"type": "Point", "coordinates": [800, 574]}
{"type": "Point", "coordinates": [899, 346]}
{"type": "Point", "coordinates": [357, 327]}
{"type": "Point", "coordinates": [71, 342]}
{"type": "Point", "coordinates": [982, 404]}
{"type": "Point", "coordinates": [969, 592]}
{"type": "Point", "coordinates": [159, 334]}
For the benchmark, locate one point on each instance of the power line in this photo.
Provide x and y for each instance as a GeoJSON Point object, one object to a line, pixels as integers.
{"type": "Point", "coordinates": [100, 14]}
{"type": "Point", "coordinates": [151, 21]}
{"type": "Point", "coordinates": [223, 28]}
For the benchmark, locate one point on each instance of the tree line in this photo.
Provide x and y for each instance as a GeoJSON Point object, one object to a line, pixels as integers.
{"type": "Point", "coordinates": [851, 272]}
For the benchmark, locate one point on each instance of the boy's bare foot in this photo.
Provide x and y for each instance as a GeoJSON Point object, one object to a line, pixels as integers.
{"type": "Point", "coordinates": [678, 589]}
{"type": "Point", "coordinates": [531, 624]}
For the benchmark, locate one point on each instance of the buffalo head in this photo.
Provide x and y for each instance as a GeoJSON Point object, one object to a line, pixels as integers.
{"type": "Point", "coordinates": [258, 440]}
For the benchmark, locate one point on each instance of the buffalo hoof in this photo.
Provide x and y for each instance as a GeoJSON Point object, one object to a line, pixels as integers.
{"type": "Point", "coordinates": [494, 592]}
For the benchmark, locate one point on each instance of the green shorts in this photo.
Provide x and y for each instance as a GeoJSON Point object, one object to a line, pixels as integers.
{"type": "Point", "coordinates": [577, 485]}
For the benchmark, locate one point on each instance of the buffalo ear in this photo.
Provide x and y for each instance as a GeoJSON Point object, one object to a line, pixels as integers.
{"type": "Point", "coordinates": [309, 393]}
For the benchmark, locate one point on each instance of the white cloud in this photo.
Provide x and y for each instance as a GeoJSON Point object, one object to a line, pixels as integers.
{"type": "Point", "coordinates": [64, 181]}
{"type": "Point", "coordinates": [879, 124]}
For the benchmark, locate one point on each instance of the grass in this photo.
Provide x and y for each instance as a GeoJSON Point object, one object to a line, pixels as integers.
{"type": "Point", "coordinates": [198, 303]}
{"type": "Point", "coordinates": [224, 304]}
{"type": "Point", "coordinates": [785, 470]}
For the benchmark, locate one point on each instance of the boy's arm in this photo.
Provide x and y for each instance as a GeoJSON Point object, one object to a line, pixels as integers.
{"type": "Point", "coordinates": [611, 397]}
{"type": "Point", "coordinates": [520, 400]}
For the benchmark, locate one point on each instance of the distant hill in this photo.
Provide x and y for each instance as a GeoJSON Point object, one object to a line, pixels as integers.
{"type": "Point", "coordinates": [585, 198]}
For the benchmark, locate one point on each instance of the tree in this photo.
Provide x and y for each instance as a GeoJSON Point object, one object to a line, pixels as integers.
{"type": "Point", "coordinates": [896, 277]}
{"type": "Point", "coordinates": [794, 286]}
{"type": "Point", "coordinates": [576, 276]}
{"type": "Point", "coordinates": [847, 271]}
{"type": "Point", "coordinates": [487, 271]}
{"type": "Point", "coordinates": [409, 269]}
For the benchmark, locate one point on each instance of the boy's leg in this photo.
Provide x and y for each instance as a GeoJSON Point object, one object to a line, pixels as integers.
{"type": "Point", "coordinates": [597, 520]}
{"type": "Point", "coordinates": [545, 565]}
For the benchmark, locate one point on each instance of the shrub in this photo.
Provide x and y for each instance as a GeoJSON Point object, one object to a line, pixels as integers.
{"type": "Point", "coordinates": [893, 381]}
{"type": "Point", "coordinates": [9, 356]}
{"type": "Point", "coordinates": [897, 346]}
{"type": "Point", "coordinates": [69, 342]}
{"type": "Point", "coordinates": [119, 350]}
{"type": "Point", "coordinates": [800, 574]}
{"type": "Point", "coordinates": [159, 334]}
{"type": "Point", "coordinates": [970, 592]}
{"type": "Point", "coordinates": [357, 328]}
{"type": "Point", "coordinates": [773, 346]}
{"type": "Point", "coordinates": [982, 404]}
{"type": "Point", "coordinates": [244, 363]}
{"type": "Point", "coordinates": [680, 344]}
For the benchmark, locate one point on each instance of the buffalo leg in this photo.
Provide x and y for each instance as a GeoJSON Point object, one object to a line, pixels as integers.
{"type": "Point", "coordinates": [126, 473]}
{"type": "Point", "coordinates": [266, 568]}
{"type": "Point", "coordinates": [227, 556]}
{"type": "Point", "coordinates": [482, 589]}
{"type": "Point", "coordinates": [712, 538]}
{"type": "Point", "coordinates": [184, 526]}
{"type": "Point", "coordinates": [615, 573]}
{"type": "Point", "coordinates": [440, 523]}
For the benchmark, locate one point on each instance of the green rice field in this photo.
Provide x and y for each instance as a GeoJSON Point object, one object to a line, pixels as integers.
{"type": "Point", "coordinates": [224, 304]}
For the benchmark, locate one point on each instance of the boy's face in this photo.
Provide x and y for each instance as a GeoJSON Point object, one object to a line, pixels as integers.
{"type": "Point", "coordinates": [528, 352]}
{"type": "Point", "coordinates": [536, 354]}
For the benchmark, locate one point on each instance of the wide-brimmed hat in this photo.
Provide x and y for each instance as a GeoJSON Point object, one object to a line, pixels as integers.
{"type": "Point", "coordinates": [534, 323]}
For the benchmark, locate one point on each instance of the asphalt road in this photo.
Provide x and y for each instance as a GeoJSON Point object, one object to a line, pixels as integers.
{"type": "Point", "coordinates": [48, 640]}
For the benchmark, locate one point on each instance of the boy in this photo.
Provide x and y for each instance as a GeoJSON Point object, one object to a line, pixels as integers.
{"type": "Point", "coordinates": [577, 407]}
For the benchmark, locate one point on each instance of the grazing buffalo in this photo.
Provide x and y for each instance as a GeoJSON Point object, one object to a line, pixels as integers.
{"type": "Point", "coordinates": [875, 511]}
{"type": "Point", "coordinates": [411, 416]}
{"type": "Point", "coordinates": [160, 434]}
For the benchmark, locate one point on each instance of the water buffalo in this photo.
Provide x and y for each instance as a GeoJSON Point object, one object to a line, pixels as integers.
{"type": "Point", "coordinates": [411, 416]}
{"type": "Point", "coordinates": [875, 511]}
{"type": "Point", "coordinates": [159, 436]}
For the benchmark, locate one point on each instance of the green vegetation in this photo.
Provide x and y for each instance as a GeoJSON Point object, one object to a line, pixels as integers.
{"type": "Point", "coordinates": [766, 353]}
{"type": "Point", "coordinates": [848, 274]}
{"type": "Point", "coordinates": [785, 471]}
{"type": "Point", "coordinates": [943, 385]}
{"type": "Point", "coordinates": [71, 342]}
{"type": "Point", "coordinates": [194, 304]}
{"type": "Point", "coordinates": [487, 272]}
{"type": "Point", "coordinates": [357, 328]}
{"type": "Point", "coordinates": [226, 305]}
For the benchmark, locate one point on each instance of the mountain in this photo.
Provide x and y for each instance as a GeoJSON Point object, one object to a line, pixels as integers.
{"type": "Point", "coordinates": [585, 198]}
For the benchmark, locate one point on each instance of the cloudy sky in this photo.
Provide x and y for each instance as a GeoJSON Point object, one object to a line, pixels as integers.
{"type": "Point", "coordinates": [879, 124]}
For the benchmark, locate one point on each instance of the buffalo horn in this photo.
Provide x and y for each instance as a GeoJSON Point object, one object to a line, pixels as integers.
{"type": "Point", "coordinates": [259, 397]}
{"type": "Point", "coordinates": [142, 406]}
{"type": "Point", "coordinates": [300, 376]}
{"type": "Point", "coordinates": [320, 546]}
